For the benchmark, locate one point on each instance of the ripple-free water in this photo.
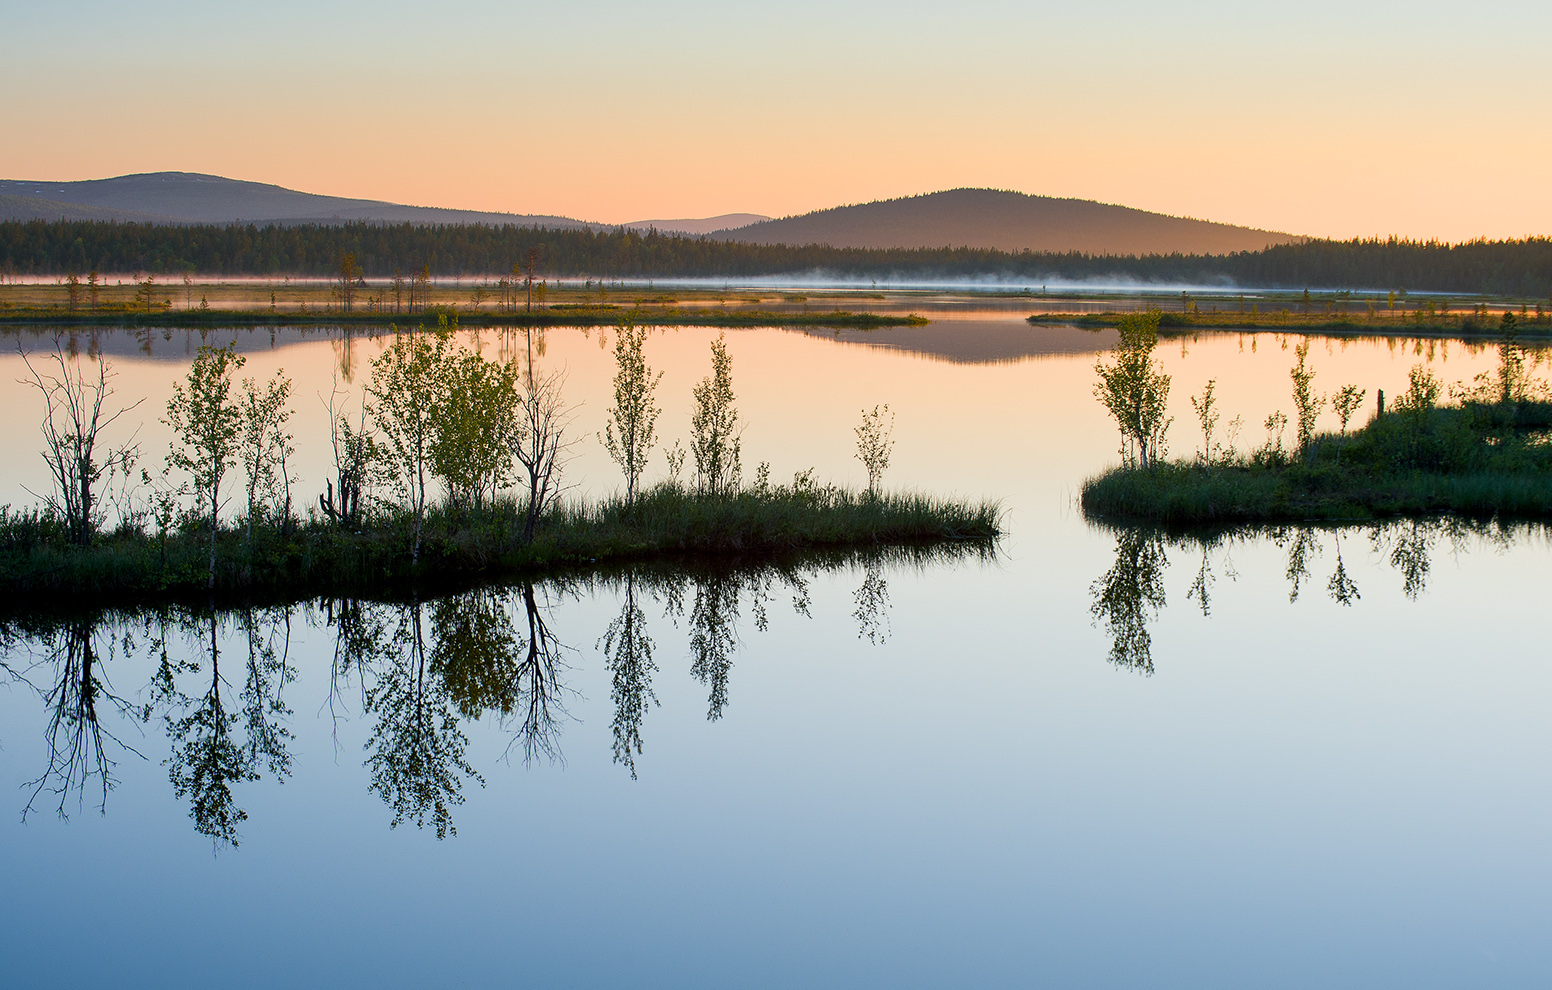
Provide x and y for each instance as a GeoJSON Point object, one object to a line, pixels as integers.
{"type": "Point", "coordinates": [1279, 757]}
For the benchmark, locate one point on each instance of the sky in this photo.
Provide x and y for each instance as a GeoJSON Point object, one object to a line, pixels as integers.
{"type": "Point", "coordinates": [1419, 119]}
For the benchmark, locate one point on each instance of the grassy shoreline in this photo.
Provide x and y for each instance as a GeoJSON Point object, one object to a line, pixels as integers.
{"type": "Point", "coordinates": [1475, 460]}
{"type": "Point", "coordinates": [1462, 327]}
{"type": "Point", "coordinates": [317, 558]}
{"type": "Point", "coordinates": [560, 317]}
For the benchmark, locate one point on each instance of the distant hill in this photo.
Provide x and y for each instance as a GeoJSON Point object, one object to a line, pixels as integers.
{"type": "Point", "coordinates": [1006, 221]}
{"type": "Point", "coordinates": [725, 222]}
{"type": "Point", "coordinates": [975, 218]}
{"type": "Point", "coordinates": [37, 208]}
{"type": "Point", "coordinates": [189, 197]}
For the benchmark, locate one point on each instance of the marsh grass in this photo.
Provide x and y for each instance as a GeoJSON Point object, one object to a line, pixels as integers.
{"type": "Point", "coordinates": [463, 549]}
{"type": "Point", "coordinates": [1477, 460]}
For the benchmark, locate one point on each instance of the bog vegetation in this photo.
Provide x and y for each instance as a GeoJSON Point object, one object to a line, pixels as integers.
{"type": "Point", "coordinates": [450, 472]}
{"type": "Point", "coordinates": [1483, 450]}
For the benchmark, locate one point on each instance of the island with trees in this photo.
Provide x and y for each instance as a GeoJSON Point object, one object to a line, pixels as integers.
{"type": "Point", "coordinates": [1482, 451]}
{"type": "Point", "coordinates": [446, 475]}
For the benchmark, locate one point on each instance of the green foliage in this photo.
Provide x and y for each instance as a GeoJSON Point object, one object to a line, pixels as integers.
{"type": "Point", "coordinates": [1422, 394]}
{"type": "Point", "coordinates": [476, 410]}
{"type": "Point", "coordinates": [1511, 361]}
{"type": "Point", "coordinates": [1346, 402]}
{"type": "Point", "coordinates": [265, 447]}
{"type": "Point", "coordinates": [1306, 401]}
{"type": "Point", "coordinates": [630, 433]}
{"type": "Point", "coordinates": [406, 395]}
{"type": "Point", "coordinates": [207, 428]}
{"type": "Point", "coordinates": [714, 428]}
{"type": "Point", "coordinates": [1135, 389]}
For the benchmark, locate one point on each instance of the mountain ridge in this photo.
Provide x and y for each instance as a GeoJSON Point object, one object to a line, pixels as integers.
{"type": "Point", "coordinates": [997, 219]}
{"type": "Point", "coordinates": [1006, 220]}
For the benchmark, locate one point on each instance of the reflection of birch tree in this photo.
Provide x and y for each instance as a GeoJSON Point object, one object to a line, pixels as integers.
{"type": "Point", "coordinates": [872, 604]}
{"type": "Point", "coordinates": [476, 651]}
{"type": "Point", "coordinates": [268, 633]}
{"type": "Point", "coordinates": [714, 636]}
{"type": "Point", "coordinates": [1129, 595]}
{"type": "Point", "coordinates": [74, 736]}
{"type": "Point", "coordinates": [1409, 548]}
{"type": "Point", "coordinates": [205, 760]}
{"type": "Point", "coordinates": [1342, 588]}
{"type": "Point", "coordinates": [1302, 545]}
{"type": "Point", "coordinates": [537, 687]}
{"type": "Point", "coordinates": [359, 639]}
{"type": "Point", "coordinates": [487, 665]}
{"type": "Point", "coordinates": [417, 762]}
{"type": "Point", "coordinates": [628, 654]}
{"type": "Point", "coordinates": [1201, 588]}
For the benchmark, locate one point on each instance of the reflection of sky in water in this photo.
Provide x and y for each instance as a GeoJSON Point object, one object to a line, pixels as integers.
{"type": "Point", "coordinates": [932, 778]}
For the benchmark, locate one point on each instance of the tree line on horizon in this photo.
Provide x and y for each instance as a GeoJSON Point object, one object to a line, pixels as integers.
{"type": "Point", "coordinates": [36, 247]}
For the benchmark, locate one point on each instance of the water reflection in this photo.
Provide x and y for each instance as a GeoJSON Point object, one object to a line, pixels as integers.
{"type": "Point", "coordinates": [627, 652]}
{"type": "Point", "coordinates": [1130, 595]}
{"type": "Point", "coordinates": [416, 753]}
{"type": "Point", "coordinates": [220, 738]}
{"type": "Point", "coordinates": [419, 675]}
{"type": "Point", "coordinates": [76, 743]}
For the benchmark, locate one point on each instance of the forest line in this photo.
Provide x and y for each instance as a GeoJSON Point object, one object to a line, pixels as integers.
{"type": "Point", "coordinates": [1521, 268]}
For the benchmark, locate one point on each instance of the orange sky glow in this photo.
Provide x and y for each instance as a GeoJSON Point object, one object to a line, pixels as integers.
{"type": "Point", "coordinates": [1429, 128]}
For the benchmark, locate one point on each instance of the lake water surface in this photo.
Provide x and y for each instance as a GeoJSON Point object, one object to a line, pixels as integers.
{"type": "Point", "coordinates": [1092, 758]}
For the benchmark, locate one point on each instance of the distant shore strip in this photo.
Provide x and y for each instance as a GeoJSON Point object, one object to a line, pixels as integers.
{"type": "Point", "coordinates": [567, 317]}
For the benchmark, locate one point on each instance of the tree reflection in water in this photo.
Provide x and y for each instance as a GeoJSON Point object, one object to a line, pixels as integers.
{"type": "Point", "coordinates": [74, 736]}
{"type": "Point", "coordinates": [627, 653]}
{"type": "Point", "coordinates": [872, 601]}
{"type": "Point", "coordinates": [206, 757]}
{"type": "Point", "coordinates": [1342, 588]}
{"type": "Point", "coordinates": [417, 745]}
{"type": "Point", "coordinates": [419, 672]}
{"type": "Point", "coordinates": [714, 637]}
{"type": "Point", "coordinates": [1130, 595]}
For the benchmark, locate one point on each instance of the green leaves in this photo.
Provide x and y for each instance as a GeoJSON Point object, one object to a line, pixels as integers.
{"type": "Point", "coordinates": [1135, 389]}
{"type": "Point", "coordinates": [630, 433]}
{"type": "Point", "coordinates": [206, 424]}
{"type": "Point", "coordinates": [714, 428]}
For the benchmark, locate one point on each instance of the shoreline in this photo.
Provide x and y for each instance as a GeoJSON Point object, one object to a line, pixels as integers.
{"type": "Point", "coordinates": [316, 558]}
{"type": "Point", "coordinates": [569, 317]}
{"type": "Point", "coordinates": [1184, 324]}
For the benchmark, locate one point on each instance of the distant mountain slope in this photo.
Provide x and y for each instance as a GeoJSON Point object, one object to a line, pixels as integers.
{"type": "Point", "coordinates": [36, 208]}
{"type": "Point", "coordinates": [1007, 221]}
{"type": "Point", "coordinates": [188, 197]}
{"type": "Point", "coordinates": [727, 221]}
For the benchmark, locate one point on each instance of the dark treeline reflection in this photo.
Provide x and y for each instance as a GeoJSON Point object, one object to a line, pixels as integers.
{"type": "Point", "coordinates": [415, 675]}
{"type": "Point", "coordinates": [1129, 596]}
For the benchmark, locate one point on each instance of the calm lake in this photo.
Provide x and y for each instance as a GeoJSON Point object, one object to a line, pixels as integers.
{"type": "Point", "coordinates": [1092, 758]}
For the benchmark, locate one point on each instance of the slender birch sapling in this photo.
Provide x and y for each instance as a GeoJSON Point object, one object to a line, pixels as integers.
{"type": "Point", "coordinates": [714, 428]}
{"type": "Point", "coordinates": [630, 432]}
{"type": "Point", "coordinates": [207, 426]}
{"type": "Point", "coordinates": [875, 442]}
